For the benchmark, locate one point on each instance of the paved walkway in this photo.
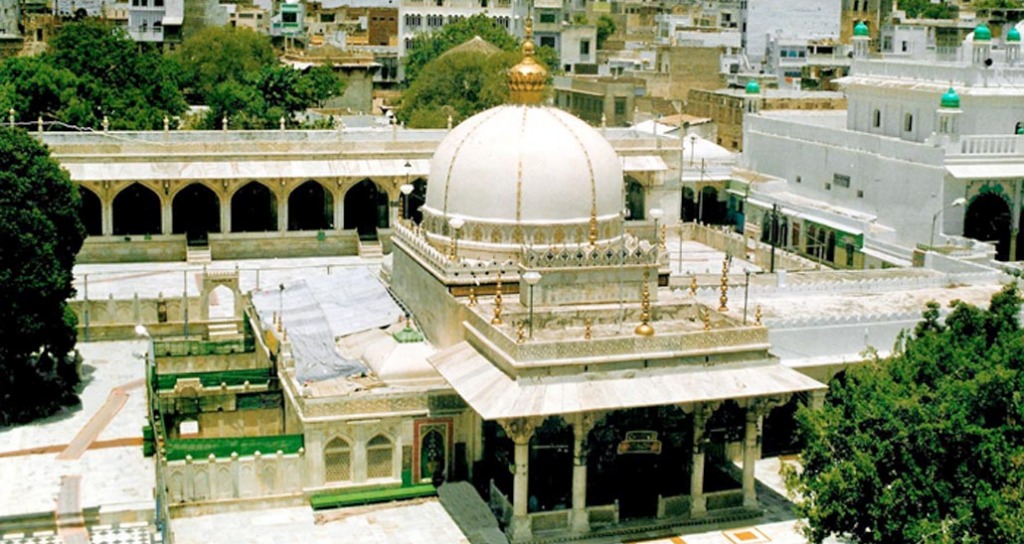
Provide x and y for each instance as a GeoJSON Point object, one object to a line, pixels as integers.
{"type": "Point", "coordinates": [98, 422]}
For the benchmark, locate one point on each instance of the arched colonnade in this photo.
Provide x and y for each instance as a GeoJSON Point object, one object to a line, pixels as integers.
{"type": "Point", "coordinates": [197, 208]}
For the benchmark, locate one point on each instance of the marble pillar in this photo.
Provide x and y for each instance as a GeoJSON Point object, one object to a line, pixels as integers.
{"type": "Point", "coordinates": [580, 519]}
{"type": "Point", "coordinates": [107, 218]}
{"type": "Point", "coordinates": [520, 430]}
{"type": "Point", "coordinates": [225, 215]}
{"type": "Point", "coordinates": [749, 457]}
{"type": "Point", "coordinates": [166, 216]}
{"type": "Point", "coordinates": [698, 502]}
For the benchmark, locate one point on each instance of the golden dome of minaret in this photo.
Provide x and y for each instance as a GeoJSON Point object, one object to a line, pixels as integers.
{"type": "Point", "coordinates": [527, 79]}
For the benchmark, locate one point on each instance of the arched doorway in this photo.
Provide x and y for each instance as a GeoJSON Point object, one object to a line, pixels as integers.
{"type": "Point", "coordinates": [551, 456]}
{"type": "Point", "coordinates": [634, 200]}
{"type": "Point", "coordinates": [222, 303]}
{"type": "Point", "coordinates": [433, 454]}
{"type": "Point", "coordinates": [416, 199]}
{"type": "Point", "coordinates": [310, 207]}
{"type": "Point", "coordinates": [195, 212]}
{"type": "Point", "coordinates": [711, 210]}
{"type": "Point", "coordinates": [688, 208]}
{"type": "Point", "coordinates": [253, 209]}
{"type": "Point", "coordinates": [136, 211]}
{"type": "Point", "coordinates": [91, 212]}
{"type": "Point", "coordinates": [636, 455]}
{"type": "Point", "coordinates": [366, 209]}
{"type": "Point", "coordinates": [987, 218]}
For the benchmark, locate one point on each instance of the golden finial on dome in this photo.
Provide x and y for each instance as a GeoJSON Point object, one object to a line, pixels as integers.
{"type": "Point", "coordinates": [526, 80]}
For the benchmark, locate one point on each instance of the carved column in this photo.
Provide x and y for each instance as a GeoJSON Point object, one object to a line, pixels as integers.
{"type": "Point", "coordinates": [282, 209]}
{"type": "Point", "coordinates": [166, 215]}
{"type": "Point", "coordinates": [520, 430]}
{"type": "Point", "coordinates": [749, 449]}
{"type": "Point", "coordinates": [107, 217]}
{"type": "Point", "coordinates": [581, 428]}
{"type": "Point", "coordinates": [698, 502]}
{"type": "Point", "coordinates": [225, 213]}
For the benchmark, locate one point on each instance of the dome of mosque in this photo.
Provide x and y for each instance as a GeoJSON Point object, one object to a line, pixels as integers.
{"type": "Point", "coordinates": [982, 33]}
{"type": "Point", "coordinates": [950, 99]}
{"type": "Point", "coordinates": [753, 87]}
{"type": "Point", "coordinates": [520, 163]}
{"type": "Point", "coordinates": [1013, 35]}
{"type": "Point", "coordinates": [524, 173]}
{"type": "Point", "coordinates": [861, 29]}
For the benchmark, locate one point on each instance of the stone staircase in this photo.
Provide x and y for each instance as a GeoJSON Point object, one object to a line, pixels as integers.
{"type": "Point", "coordinates": [370, 249]}
{"type": "Point", "coordinates": [223, 331]}
{"type": "Point", "coordinates": [198, 255]}
{"type": "Point", "coordinates": [470, 513]}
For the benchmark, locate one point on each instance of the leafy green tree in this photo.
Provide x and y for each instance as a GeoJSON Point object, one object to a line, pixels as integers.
{"type": "Point", "coordinates": [928, 444]}
{"type": "Point", "coordinates": [321, 83]}
{"type": "Point", "coordinates": [926, 9]}
{"type": "Point", "coordinates": [426, 47]}
{"type": "Point", "coordinates": [34, 87]}
{"type": "Point", "coordinates": [999, 4]}
{"type": "Point", "coordinates": [459, 84]}
{"type": "Point", "coordinates": [40, 234]}
{"type": "Point", "coordinates": [218, 54]}
{"type": "Point", "coordinates": [605, 28]}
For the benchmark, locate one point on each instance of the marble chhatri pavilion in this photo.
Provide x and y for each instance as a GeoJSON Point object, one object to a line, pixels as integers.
{"type": "Point", "coordinates": [592, 400]}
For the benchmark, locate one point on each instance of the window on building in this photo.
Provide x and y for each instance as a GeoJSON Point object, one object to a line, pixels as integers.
{"type": "Point", "coordinates": [584, 47]}
{"type": "Point", "coordinates": [849, 255]}
{"type": "Point", "coordinates": [548, 17]}
{"type": "Point", "coordinates": [840, 180]}
{"type": "Point", "coordinates": [158, 3]}
{"type": "Point", "coordinates": [329, 18]}
{"type": "Point", "coordinates": [908, 122]}
{"type": "Point", "coordinates": [338, 461]}
{"type": "Point", "coordinates": [547, 41]}
{"type": "Point", "coordinates": [904, 46]}
{"type": "Point", "coordinates": [620, 105]}
{"type": "Point", "coordinates": [290, 17]}
{"type": "Point", "coordinates": [378, 457]}
{"type": "Point", "coordinates": [876, 118]}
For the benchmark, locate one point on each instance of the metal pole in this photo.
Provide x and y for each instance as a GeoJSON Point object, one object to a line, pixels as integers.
{"type": "Point", "coordinates": [184, 301]}
{"type": "Point", "coordinates": [85, 311]}
{"type": "Point", "coordinates": [746, 291]}
{"type": "Point", "coordinates": [773, 234]}
{"type": "Point", "coordinates": [680, 247]}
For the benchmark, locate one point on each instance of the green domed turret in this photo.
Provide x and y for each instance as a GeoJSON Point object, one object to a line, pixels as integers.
{"type": "Point", "coordinates": [861, 29]}
{"type": "Point", "coordinates": [1013, 35]}
{"type": "Point", "coordinates": [753, 87]}
{"type": "Point", "coordinates": [950, 99]}
{"type": "Point", "coordinates": [982, 33]}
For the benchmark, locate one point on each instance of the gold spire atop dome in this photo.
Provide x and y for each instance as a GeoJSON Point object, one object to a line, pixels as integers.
{"type": "Point", "coordinates": [526, 80]}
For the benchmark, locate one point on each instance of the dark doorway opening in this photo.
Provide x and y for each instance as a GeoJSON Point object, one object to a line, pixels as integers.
{"type": "Point", "coordinates": [310, 207]}
{"type": "Point", "coordinates": [366, 209]}
{"type": "Point", "coordinates": [92, 212]}
{"type": "Point", "coordinates": [195, 212]}
{"type": "Point", "coordinates": [136, 211]}
{"type": "Point", "coordinates": [987, 218]}
{"type": "Point", "coordinates": [254, 209]}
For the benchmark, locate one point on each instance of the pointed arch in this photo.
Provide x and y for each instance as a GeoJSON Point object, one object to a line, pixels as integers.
{"type": "Point", "coordinates": [310, 207]}
{"type": "Point", "coordinates": [987, 218]}
{"type": "Point", "coordinates": [366, 208]}
{"type": "Point", "coordinates": [379, 457]}
{"type": "Point", "coordinates": [195, 211]}
{"type": "Point", "coordinates": [91, 212]}
{"type": "Point", "coordinates": [338, 460]}
{"type": "Point", "coordinates": [136, 211]}
{"type": "Point", "coordinates": [253, 209]}
{"type": "Point", "coordinates": [635, 196]}
{"type": "Point", "coordinates": [417, 198]}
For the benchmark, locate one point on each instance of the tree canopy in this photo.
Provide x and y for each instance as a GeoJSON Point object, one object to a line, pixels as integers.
{"type": "Point", "coordinates": [928, 444]}
{"type": "Point", "coordinates": [215, 55]}
{"type": "Point", "coordinates": [459, 84]}
{"type": "Point", "coordinates": [605, 28]}
{"type": "Point", "coordinates": [926, 9]}
{"type": "Point", "coordinates": [92, 70]}
{"type": "Point", "coordinates": [428, 46]}
{"type": "Point", "coordinates": [40, 235]}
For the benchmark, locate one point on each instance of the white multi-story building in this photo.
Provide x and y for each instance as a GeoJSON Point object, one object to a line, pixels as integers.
{"type": "Point", "coordinates": [9, 14]}
{"type": "Point", "coordinates": [926, 149]}
{"type": "Point", "coordinates": [417, 16]}
{"type": "Point", "coordinates": [787, 20]}
{"type": "Point", "coordinates": [155, 20]}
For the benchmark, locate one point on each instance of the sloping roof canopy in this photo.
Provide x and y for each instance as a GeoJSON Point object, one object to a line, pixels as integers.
{"type": "Point", "coordinates": [495, 395]}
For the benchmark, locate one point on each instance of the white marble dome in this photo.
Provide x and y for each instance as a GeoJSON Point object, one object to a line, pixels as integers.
{"type": "Point", "coordinates": [529, 166]}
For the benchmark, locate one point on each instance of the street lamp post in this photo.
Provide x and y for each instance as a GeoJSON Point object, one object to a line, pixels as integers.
{"type": "Point", "coordinates": [532, 278]}
{"type": "Point", "coordinates": [404, 212]}
{"type": "Point", "coordinates": [773, 234]}
{"type": "Point", "coordinates": [746, 291]}
{"type": "Point", "coordinates": [955, 204]}
{"type": "Point", "coordinates": [455, 223]}
{"type": "Point", "coordinates": [656, 214]}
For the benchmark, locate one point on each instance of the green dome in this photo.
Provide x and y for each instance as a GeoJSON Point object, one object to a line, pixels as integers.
{"type": "Point", "coordinates": [950, 99]}
{"type": "Point", "coordinates": [753, 87]}
{"type": "Point", "coordinates": [982, 33]}
{"type": "Point", "coordinates": [1013, 35]}
{"type": "Point", "coordinates": [861, 29]}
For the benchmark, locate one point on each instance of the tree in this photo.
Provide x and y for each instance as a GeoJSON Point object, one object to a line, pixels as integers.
{"type": "Point", "coordinates": [426, 47]}
{"type": "Point", "coordinates": [928, 444]}
{"type": "Point", "coordinates": [215, 55]}
{"type": "Point", "coordinates": [321, 83]}
{"type": "Point", "coordinates": [605, 28]}
{"type": "Point", "coordinates": [40, 234]}
{"type": "Point", "coordinates": [926, 9]}
{"type": "Point", "coordinates": [92, 70]}
{"type": "Point", "coordinates": [460, 84]}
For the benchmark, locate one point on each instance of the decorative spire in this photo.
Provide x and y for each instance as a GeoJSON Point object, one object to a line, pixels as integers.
{"type": "Point", "coordinates": [526, 80]}
{"type": "Point", "coordinates": [645, 328]}
{"type": "Point", "coordinates": [496, 320]}
{"type": "Point", "coordinates": [724, 299]}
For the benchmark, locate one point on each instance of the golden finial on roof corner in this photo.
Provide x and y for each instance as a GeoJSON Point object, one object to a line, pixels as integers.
{"type": "Point", "coordinates": [527, 79]}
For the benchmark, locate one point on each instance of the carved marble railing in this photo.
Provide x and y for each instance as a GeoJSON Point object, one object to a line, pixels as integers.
{"type": "Point", "coordinates": [674, 506]}
{"type": "Point", "coordinates": [990, 145]}
{"type": "Point", "coordinates": [606, 514]}
{"type": "Point", "coordinates": [235, 477]}
{"type": "Point", "coordinates": [720, 500]}
{"type": "Point", "coordinates": [632, 251]}
{"type": "Point", "coordinates": [554, 520]}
